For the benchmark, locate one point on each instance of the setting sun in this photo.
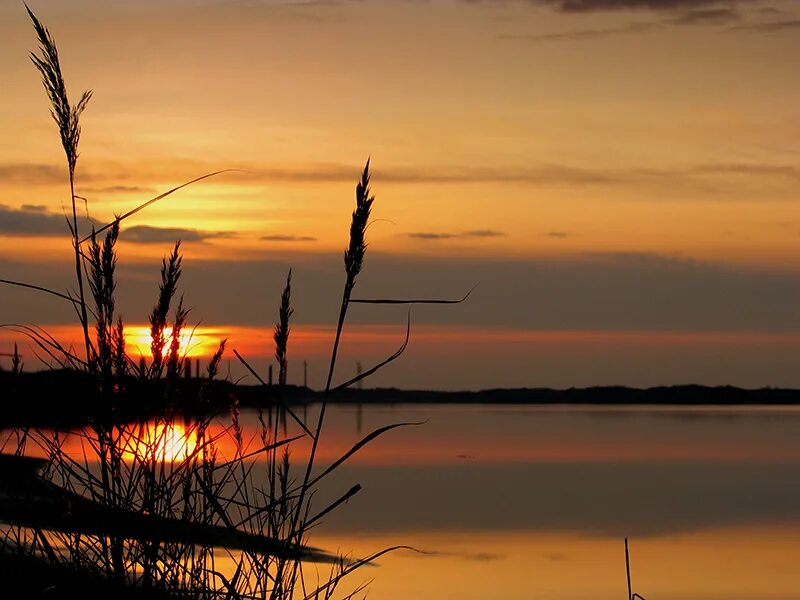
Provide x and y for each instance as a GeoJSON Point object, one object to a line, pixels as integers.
{"type": "Point", "coordinates": [194, 342]}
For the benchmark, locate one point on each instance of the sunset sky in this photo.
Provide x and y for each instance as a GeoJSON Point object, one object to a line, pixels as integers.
{"type": "Point", "coordinates": [621, 178]}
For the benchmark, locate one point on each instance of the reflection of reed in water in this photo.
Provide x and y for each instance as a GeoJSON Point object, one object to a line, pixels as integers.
{"type": "Point", "coordinates": [159, 441]}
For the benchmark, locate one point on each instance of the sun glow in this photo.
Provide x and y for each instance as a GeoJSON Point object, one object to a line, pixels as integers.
{"type": "Point", "coordinates": [160, 442]}
{"type": "Point", "coordinates": [194, 342]}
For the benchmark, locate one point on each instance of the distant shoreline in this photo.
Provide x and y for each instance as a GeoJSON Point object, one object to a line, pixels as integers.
{"type": "Point", "coordinates": [600, 395]}
{"type": "Point", "coordinates": [63, 397]}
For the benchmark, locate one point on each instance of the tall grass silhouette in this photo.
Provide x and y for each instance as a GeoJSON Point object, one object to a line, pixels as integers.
{"type": "Point", "coordinates": [158, 504]}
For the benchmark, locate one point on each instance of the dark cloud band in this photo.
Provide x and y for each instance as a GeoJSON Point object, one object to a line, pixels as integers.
{"type": "Point", "coordinates": [143, 234]}
{"type": "Point", "coordinates": [36, 220]}
{"type": "Point", "coordinates": [475, 233]}
{"type": "Point", "coordinates": [287, 237]}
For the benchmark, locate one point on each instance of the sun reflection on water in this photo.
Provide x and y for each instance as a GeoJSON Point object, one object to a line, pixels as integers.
{"type": "Point", "coordinates": [162, 442]}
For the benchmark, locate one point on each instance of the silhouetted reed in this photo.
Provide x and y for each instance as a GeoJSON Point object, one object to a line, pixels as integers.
{"type": "Point", "coordinates": [631, 594]}
{"type": "Point", "coordinates": [183, 500]}
{"type": "Point", "coordinates": [67, 118]}
{"type": "Point", "coordinates": [109, 335]}
{"type": "Point", "coordinates": [281, 335]}
{"type": "Point", "coordinates": [16, 360]}
{"type": "Point", "coordinates": [170, 274]}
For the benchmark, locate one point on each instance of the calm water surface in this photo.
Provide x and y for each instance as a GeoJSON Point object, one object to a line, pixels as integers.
{"type": "Point", "coordinates": [534, 502]}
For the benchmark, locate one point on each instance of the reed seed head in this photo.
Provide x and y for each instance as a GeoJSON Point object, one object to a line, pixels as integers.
{"type": "Point", "coordinates": [102, 261]}
{"type": "Point", "coordinates": [66, 116]}
{"type": "Point", "coordinates": [282, 329]}
{"type": "Point", "coordinates": [354, 255]}
{"type": "Point", "coordinates": [170, 274]}
{"type": "Point", "coordinates": [213, 365]}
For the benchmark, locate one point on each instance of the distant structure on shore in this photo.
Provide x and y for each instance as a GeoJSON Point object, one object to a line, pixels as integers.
{"type": "Point", "coordinates": [195, 373]}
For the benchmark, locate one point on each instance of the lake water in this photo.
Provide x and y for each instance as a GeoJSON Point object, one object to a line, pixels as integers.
{"type": "Point", "coordinates": [534, 502]}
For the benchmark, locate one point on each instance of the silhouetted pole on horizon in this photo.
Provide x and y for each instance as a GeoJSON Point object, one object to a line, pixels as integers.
{"type": "Point", "coordinates": [269, 380]}
{"type": "Point", "coordinates": [359, 370]}
{"type": "Point", "coordinates": [305, 373]}
{"type": "Point", "coordinates": [187, 368]}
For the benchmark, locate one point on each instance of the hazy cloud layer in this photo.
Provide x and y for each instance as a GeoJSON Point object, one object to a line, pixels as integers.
{"type": "Point", "coordinates": [116, 189]}
{"type": "Point", "coordinates": [657, 5]}
{"type": "Point", "coordinates": [586, 34]}
{"type": "Point", "coordinates": [667, 13]}
{"type": "Point", "coordinates": [33, 220]}
{"type": "Point", "coordinates": [588, 6]}
{"type": "Point", "coordinates": [475, 233]}
{"type": "Point", "coordinates": [770, 27]}
{"type": "Point", "coordinates": [287, 237]}
{"type": "Point", "coordinates": [37, 220]}
{"type": "Point", "coordinates": [704, 177]}
{"type": "Point", "coordinates": [143, 234]}
{"type": "Point", "coordinates": [31, 173]}
{"type": "Point", "coordinates": [709, 16]}
{"type": "Point", "coordinates": [567, 6]}
{"type": "Point", "coordinates": [543, 174]}
{"type": "Point", "coordinates": [582, 291]}
{"type": "Point", "coordinates": [701, 17]}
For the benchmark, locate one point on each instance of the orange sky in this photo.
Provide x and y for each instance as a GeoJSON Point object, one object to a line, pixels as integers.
{"type": "Point", "coordinates": [552, 150]}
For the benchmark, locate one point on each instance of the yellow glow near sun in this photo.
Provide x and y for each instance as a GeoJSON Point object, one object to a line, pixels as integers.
{"type": "Point", "coordinates": [160, 442]}
{"type": "Point", "coordinates": [193, 342]}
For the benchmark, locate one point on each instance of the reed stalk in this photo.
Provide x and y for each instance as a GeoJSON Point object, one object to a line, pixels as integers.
{"type": "Point", "coordinates": [353, 261]}
{"type": "Point", "coordinates": [67, 118]}
{"type": "Point", "coordinates": [123, 466]}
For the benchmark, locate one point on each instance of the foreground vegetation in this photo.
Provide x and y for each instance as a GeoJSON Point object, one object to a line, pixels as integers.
{"type": "Point", "coordinates": [157, 496]}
